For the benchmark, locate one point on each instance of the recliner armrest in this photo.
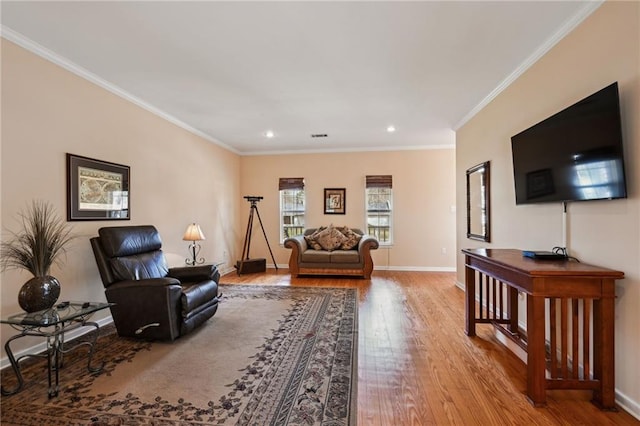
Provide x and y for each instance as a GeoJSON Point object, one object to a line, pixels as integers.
{"type": "Point", "coordinates": [195, 273]}
{"type": "Point", "coordinates": [146, 283]}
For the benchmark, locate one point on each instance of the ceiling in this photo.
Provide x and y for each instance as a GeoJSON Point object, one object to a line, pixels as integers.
{"type": "Point", "coordinates": [230, 71]}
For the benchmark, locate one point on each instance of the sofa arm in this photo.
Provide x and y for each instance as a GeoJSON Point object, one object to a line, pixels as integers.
{"type": "Point", "coordinates": [367, 243]}
{"type": "Point", "coordinates": [195, 273]}
{"type": "Point", "coordinates": [298, 245]}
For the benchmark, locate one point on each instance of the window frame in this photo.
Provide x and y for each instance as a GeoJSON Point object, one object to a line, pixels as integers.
{"type": "Point", "coordinates": [291, 188]}
{"type": "Point", "coordinates": [380, 182]}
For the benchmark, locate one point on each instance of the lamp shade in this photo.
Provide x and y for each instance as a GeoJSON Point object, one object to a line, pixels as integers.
{"type": "Point", "coordinates": [193, 233]}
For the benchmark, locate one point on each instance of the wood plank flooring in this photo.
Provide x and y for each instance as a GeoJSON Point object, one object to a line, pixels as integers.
{"type": "Point", "coordinates": [417, 367]}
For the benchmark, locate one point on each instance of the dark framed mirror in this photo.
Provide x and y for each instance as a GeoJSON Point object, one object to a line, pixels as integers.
{"type": "Point", "coordinates": [478, 202]}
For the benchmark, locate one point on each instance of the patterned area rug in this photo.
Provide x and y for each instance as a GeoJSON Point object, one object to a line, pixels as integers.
{"type": "Point", "coordinates": [270, 356]}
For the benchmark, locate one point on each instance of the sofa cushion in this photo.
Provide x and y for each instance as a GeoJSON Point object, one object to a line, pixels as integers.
{"type": "Point", "coordinates": [352, 238]}
{"type": "Point", "coordinates": [140, 266]}
{"type": "Point", "coordinates": [345, 256]}
{"type": "Point", "coordinates": [313, 256]}
{"type": "Point", "coordinates": [330, 238]}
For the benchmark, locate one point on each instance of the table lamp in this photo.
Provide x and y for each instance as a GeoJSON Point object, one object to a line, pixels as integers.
{"type": "Point", "coordinates": [194, 234]}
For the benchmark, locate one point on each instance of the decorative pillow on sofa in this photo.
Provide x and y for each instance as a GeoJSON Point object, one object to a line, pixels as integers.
{"type": "Point", "coordinates": [353, 238]}
{"type": "Point", "coordinates": [330, 238]}
{"type": "Point", "coordinates": [312, 239]}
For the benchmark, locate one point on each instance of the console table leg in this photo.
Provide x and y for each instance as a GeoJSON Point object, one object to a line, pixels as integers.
{"type": "Point", "coordinates": [470, 302]}
{"type": "Point", "coordinates": [536, 380]}
{"type": "Point", "coordinates": [603, 347]}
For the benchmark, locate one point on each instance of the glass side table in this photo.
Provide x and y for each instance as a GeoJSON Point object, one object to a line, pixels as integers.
{"type": "Point", "coordinates": [52, 324]}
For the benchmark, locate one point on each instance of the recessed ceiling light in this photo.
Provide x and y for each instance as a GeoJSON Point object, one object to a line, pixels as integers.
{"type": "Point", "coordinates": [269, 134]}
{"type": "Point", "coordinates": [391, 129]}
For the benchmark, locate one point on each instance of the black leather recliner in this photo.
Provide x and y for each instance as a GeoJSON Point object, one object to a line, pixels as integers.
{"type": "Point", "coordinates": [151, 300]}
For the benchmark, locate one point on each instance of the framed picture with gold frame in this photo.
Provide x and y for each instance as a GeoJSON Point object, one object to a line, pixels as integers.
{"type": "Point", "coordinates": [97, 190]}
{"type": "Point", "coordinates": [335, 201]}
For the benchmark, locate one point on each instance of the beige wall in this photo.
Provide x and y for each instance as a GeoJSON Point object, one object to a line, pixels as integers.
{"type": "Point", "coordinates": [603, 49]}
{"type": "Point", "coordinates": [176, 177]}
{"type": "Point", "coordinates": [423, 195]}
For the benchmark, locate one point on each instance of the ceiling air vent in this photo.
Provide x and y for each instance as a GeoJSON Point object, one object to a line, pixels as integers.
{"type": "Point", "coordinates": [318, 135]}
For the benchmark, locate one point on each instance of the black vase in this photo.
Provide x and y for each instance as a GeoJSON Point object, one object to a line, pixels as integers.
{"type": "Point", "coordinates": [39, 293]}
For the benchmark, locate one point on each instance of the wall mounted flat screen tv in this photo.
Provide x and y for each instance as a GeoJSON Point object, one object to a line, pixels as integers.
{"type": "Point", "coordinates": [574, 155]}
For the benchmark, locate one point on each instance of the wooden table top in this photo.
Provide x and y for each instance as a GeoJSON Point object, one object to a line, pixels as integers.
{"type": "Point", "coordinates": [514, 260]}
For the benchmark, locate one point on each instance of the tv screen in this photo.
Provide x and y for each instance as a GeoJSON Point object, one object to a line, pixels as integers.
{"type": "Point", "coordinates": [574, 155]}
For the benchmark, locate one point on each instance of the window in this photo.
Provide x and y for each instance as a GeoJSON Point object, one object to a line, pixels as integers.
{"type": "Point", "coordinates": [379, 198]}
{"type": "Point", "coordinates": [291, 207]}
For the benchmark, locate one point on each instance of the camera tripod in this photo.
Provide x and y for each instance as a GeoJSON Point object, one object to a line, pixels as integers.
{"type": "Point", "coordinates": [247, 238]}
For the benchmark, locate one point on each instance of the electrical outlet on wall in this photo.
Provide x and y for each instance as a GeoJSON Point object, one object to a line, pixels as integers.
{"type": "Point", "coordinates": [444, 250]}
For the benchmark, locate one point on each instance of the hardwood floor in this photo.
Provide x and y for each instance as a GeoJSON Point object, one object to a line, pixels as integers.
{"type": "Point", "coordinates": [417, 367]}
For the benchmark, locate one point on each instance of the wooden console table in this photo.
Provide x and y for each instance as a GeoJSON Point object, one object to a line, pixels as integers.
{"type": "Point", "coordinates": [573, 300]}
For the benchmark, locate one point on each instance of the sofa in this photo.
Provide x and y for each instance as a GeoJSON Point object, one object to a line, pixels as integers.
{"type": "Point", "coordinates": [152, 301]}
{"type": "Point", "coordinates": [331, 251]}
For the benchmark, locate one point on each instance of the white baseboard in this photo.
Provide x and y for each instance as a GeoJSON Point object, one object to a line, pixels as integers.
{"type": "Point", "coordinates": [395, 268]}
{"type": "Point", "coordinates": [41, 347]}
{"type": "Point", "coordinates": [517, 350]}
{"type": "Point", "coordinates": [627, 404]}
{"type": "Point", "coordinates": [226, 270]}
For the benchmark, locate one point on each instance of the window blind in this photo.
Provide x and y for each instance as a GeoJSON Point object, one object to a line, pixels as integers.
{"type": "Point", "coordinates": [379, 181]}
{"type": "Point", "coordinates": [291, 183]}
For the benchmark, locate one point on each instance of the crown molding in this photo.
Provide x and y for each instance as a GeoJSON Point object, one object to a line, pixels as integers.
{"type": "Point", "coordinates": [39, 50]}
{"type": "Point", "coordinates": [564, 30]}
{"type": "Point", "coordinates": [347, 150]}
{"type": "Point", "coordinates": [24, 42]}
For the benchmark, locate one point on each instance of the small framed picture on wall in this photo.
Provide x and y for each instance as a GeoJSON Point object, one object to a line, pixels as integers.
{"type": "Point", "coordinates": [335, 201]}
